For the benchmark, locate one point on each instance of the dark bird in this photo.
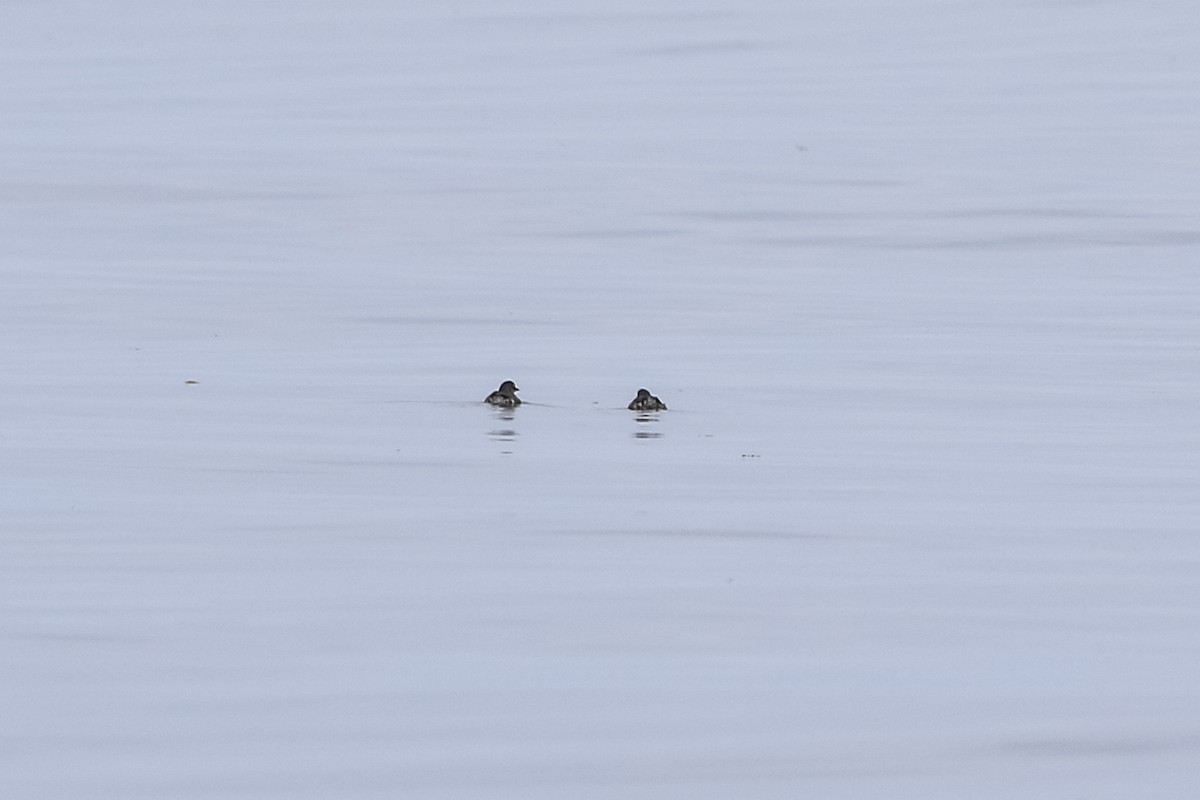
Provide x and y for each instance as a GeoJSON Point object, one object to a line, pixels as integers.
{"type": "Point", "coordinates": [505, 396]}
{"type": "Point", "coordinates": [647, 402]}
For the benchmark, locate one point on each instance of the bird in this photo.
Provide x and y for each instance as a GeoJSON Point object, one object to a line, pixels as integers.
{"type": "Point", "coordinates": [647, 402]}
{"type": "Point", "coordinates": [505, 396]}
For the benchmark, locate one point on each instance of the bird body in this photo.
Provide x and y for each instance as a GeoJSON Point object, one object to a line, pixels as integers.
{"type": "Point", "coordinates": [646, 402]}
{"type": "Point", "coordinates": [505, 396]}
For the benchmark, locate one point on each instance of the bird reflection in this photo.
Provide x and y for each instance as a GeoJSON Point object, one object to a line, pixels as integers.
{"type": "Point", "coordinates": [505, 432]}
{"type": "Point", "coordinates": [646, 419]}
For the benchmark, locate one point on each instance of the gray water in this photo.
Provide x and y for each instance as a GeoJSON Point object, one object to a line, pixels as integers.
{"type": "Point", "coordinates": [917, 282]}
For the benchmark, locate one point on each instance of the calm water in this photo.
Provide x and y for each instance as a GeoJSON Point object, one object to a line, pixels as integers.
{"type": "Point", "coordinates": [919, 286]}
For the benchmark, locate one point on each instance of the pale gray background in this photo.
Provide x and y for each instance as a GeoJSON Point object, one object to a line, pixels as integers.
{"type": "Point", "coordinates": [918, 281]}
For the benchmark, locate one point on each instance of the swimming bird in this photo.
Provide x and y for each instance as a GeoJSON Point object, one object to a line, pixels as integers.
{"type": "Point", "coordinates": [647, 402]}
{"type": "Point", "coordinates": [505, 396]}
